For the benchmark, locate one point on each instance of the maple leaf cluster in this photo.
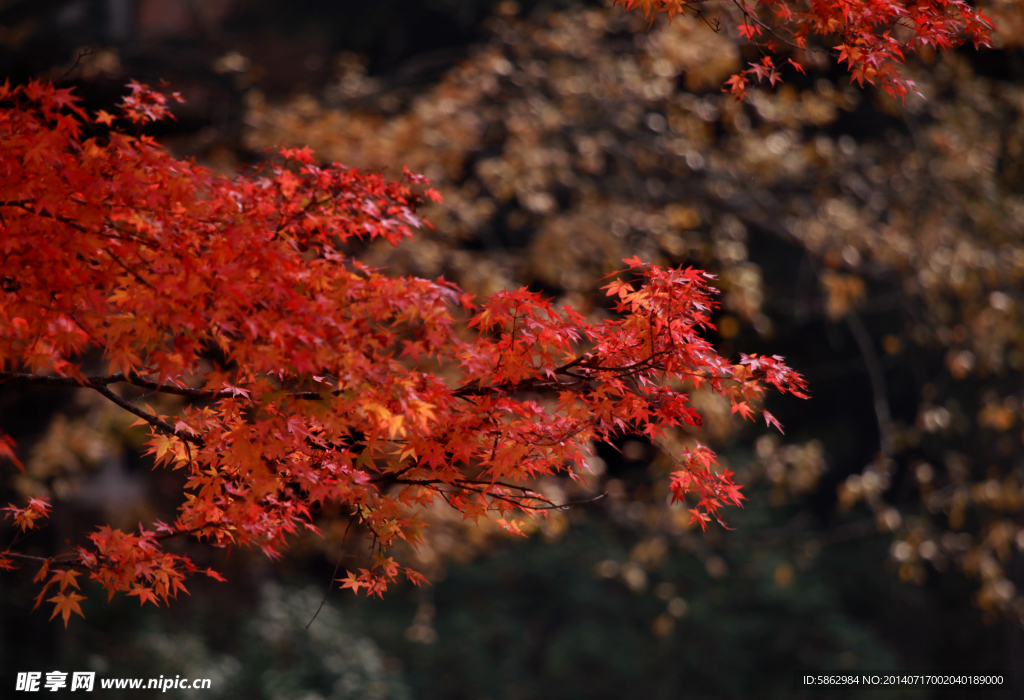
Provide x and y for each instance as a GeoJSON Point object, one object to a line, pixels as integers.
{"type": "Point", "coordinates": [872, 37]}
{"type": "Point", "coordinates": [313, 378]}
{"type": "Point", "coordinates": [535, 133]}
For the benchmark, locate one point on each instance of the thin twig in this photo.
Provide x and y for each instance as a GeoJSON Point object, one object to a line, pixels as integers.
{"type": "Point", "coordinates": [88, 51]}
{"type": "Point", "coordinates": [333, 577]}
{"type": "Point", "coordinates": [874, 367]}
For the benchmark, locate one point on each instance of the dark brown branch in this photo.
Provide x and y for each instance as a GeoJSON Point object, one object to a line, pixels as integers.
{"type": "Point", "coordinates": [877, 376]}
{"type": "Point", "coordinates": [129, 270]}
{"type": "Point", "coordinates": [474, 388]}
{"type": "Point", "coordinates": [42, 380]}
{"type": "Point", "coordinates": [391, 478]}
{"type": "Point", "coordinates": [161, 425]}
{"type": "Point", "coordinates": [88, 51]}
{"type": "Point", "coordinates": [748, 15]}
{"type": "Point", "coordinates": [99, 384]}
{"type": "Point", "coordinates": [29, 557]}
{"type": "Point", "coordinates": [24, 204]}
{"type": "Point", "coordinates": [433, 484]}
{"type": "Point", "coordinates": [136, 380]}
{"type": "Point", "coordinates": [518, 501]}
{"type": "Point", "coordinates": [179, 533]}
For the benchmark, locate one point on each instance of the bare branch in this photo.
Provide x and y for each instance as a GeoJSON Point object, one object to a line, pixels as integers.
{"type": "Point", "coordinates": [874, 367]}
{"type": "Point", "coordinates": [161, 425]}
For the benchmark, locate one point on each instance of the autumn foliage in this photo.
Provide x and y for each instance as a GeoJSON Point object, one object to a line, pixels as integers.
{"type": "Point", "coordinates": [871, 37]}
{"type": "Point", "coordinates": [311, 377]}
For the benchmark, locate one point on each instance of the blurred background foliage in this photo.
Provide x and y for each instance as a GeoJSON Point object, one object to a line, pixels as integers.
{"type": "Point", "coordinates": [879, 246]}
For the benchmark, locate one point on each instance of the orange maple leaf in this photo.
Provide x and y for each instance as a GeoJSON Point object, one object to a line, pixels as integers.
{"type": "Point", "coordinates": [144, 594]}
{"type": "Point", "coordinates": [65, 605]}
{"type": "Point", "coordinates": [65, 577]}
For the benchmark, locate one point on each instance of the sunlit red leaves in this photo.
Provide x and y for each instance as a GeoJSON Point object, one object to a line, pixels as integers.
{"type": "Point", "coordinates": [25, 518]}
{"type": "Point", "coordinates": [314, 375]}
{"type": "Point", "coordinates": [143, 104]}
{"type": "Point", "coordinates": [713, 489]}
{"type": "Point", "coordinates": [214, 575]}
{"type": "Point", "coordinates": [135, 564]}
{"type": "Point", "coordinates": [385, 571]}
{"type": "Point", "coordinates": [774, 371]}
{"type": "Point", "coordinates": [872, 38]}
{"type": "Point", "coordinates": [511, 527]}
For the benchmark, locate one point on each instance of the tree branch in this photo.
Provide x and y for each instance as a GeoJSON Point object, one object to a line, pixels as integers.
{"type": "Point", "coordinates": [99, 385]}
{"type": "Point", "coordinates": [874, 367]}
{"type": "Point", "coordinates": [161, 425]}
